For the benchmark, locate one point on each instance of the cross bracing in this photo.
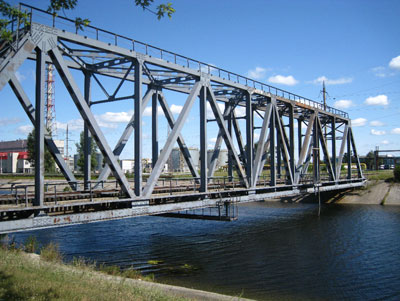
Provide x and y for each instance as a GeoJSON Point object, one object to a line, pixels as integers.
{"type": "Point", "coordinates": [281, 141]}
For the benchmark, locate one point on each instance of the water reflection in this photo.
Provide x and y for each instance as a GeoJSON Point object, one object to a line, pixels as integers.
{"type": "Point", "coordinates": [274, 250]}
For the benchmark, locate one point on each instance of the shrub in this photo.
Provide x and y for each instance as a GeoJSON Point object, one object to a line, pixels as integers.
{"type": "Point", "coordinates": [31, 244]}
{"type": "Point", "coordinates": [51, 253]}
{"type": "Point", "coordinates": [396, 173]}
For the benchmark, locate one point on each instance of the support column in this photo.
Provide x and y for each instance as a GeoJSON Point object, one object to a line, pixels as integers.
{"type": "Point", "coordinates": [299, 134]}
{"type": "Point", "coordinates": [230, 160]}
{"type": "Point", "coordinates": [316, 152]}
{"type": "Point", "coordinates": [154, 129]}
{"type": "Point", "coordinates": [203, 140]}
{"type": "Point", "coordinates": [272, 146]}
{"type": "Point", "coordinates": [87, 138]}
{"type": "Point", "coordinates": [333, 136]}
{"type": "Point", "coordinates": [39, 127]}
{"type": "Point", "coordinates": [349, 154]}
{"type": "Point", "coordinates": [249, 139]}
{"type": "Point", "coordinates": [291, 139]}
{"type": "Point", "coordinates": [278, 154]}
{"type": "Point", "coordinates": [138, 128]}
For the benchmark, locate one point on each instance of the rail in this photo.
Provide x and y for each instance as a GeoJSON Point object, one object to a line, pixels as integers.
{"type": "Point", "coordinates": [153, 51]}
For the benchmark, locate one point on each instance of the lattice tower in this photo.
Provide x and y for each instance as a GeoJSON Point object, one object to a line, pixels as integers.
{"type": "Point", "coordinates": [50, 109]}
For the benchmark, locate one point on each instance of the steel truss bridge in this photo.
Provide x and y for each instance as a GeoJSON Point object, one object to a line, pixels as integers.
{"type": "Point", "coordinates": [301, 145]}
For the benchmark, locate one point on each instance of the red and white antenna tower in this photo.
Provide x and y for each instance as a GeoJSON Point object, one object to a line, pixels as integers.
{"type": "Point", "coordinates": [50, 109]}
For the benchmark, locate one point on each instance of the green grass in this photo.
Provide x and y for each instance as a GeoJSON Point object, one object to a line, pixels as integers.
{"type": "Point", "coordinates": [24, 278]}
{"type": "Point", "coordinates": [379, 175]}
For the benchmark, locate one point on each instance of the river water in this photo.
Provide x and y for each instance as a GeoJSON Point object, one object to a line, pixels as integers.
{"type": "Point", "coordinates": [273, 251]}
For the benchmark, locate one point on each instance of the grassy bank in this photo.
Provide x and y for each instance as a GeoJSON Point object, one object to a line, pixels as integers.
{"type": "Point", "coordinates": [25, 276]}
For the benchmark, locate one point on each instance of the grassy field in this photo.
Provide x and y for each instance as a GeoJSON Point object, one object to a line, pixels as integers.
{"type": "Point", "coordinates": [24, 276]}
{"type": "Point", "coordinates": [379, 174]}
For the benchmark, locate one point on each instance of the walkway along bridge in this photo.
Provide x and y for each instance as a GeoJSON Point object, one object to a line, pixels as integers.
{"type": "Point", "coordinates": [301, 145]}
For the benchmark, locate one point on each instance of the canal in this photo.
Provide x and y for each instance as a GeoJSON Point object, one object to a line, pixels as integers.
{"type": "Point", "coordinates": [273, 251]}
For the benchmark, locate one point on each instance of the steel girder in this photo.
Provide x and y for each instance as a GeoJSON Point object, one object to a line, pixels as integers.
{"type": "Point", "coordinates": [277, 139]}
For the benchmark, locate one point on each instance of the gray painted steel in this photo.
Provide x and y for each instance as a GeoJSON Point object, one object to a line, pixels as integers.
{"type": "Point", "coordinates": [160, 70]}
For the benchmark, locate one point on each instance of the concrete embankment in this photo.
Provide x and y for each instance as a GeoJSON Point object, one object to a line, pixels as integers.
{"type": "Point", "coordinates": [375, 192]}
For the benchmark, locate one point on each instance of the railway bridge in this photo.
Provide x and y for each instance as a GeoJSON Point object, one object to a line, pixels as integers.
{"type": "Point", "coordinates": [279, 143]}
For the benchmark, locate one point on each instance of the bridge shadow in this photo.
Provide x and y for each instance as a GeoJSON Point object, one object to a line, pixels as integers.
{"type": "Point", "coordinates": [327, 197]}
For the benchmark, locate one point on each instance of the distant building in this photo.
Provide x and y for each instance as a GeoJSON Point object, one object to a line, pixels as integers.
{"type": "Point", "coordinates": [14, 157]}
{"type": "Point", "coordinates": [127, 165]}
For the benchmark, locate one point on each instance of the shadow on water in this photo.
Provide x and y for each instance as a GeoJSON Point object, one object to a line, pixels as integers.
{"type": "Point", "coordinates": [275, 250]}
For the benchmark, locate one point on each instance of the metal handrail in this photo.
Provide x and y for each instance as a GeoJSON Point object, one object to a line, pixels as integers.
{"type": "Point", "coordinates": [190, 63]}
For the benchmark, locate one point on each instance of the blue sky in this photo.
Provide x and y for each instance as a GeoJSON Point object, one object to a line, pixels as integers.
{"type": "Point", "coordinates": [353, 45]}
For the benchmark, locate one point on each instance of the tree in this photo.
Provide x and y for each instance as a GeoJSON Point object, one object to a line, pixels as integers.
{"type": "Point", "coordinates": [49, 164]}
{"type": "Point", "coordinates": [93, 151]}
{"type": "Point", "coordinates": [55, 6]}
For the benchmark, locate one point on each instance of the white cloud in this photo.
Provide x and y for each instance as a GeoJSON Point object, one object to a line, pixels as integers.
{"type": "Point", "coordinates": [395, 63]}
{"type": "Point", "coordinates": [283, 80]}
{"type": "Point", "coordinates": [343, 104]}
{"type": "Point", "coordinates": [115, 117]}
{"type": "Point", "coordinates": [20, 76]}
{"type": "Point", "coordinates": [359, 122]}
{"type": "Point", "coordinates": [176, 109]}
{"type": "Point", "coordinates": [147, 111]}
{"type": "Point", "coordinates": [73, 125]}
{"type": "Point", "coordinates": [24, 129]}
{"type": "Point", "coordinates": [240, 111]}
{"type": "Point", "coordinates": [395, 131]}
{"type": "Point", "coordinates": [8, 121]}
{"type": "Point", "coordinates": [376, 123]}
{"type": "Point", "coordinates": [385, 142]}
{"type": "Point", "coordinates": [210, 113]}
{"type": "Point", "coordinates": [338, 81]}
{"type": "Point", "coordinates": [379, 100]}
{"type": "Point", "coordinates": [257, 73]}
{"type": "Point", "coordinates": [377, 132]}
{"type": "Point", "coordinates": [213, 140]}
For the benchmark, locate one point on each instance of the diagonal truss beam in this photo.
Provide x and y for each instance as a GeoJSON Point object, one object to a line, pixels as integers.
{"type": "Point", "coordinates": [123, 140]}
{"type": "Point", "coordinates": [283, 145]}
{"type": "Point", "coordinates": [217, 147]}
{"type": "Point", "coordinates": [88, 116]}
{"type": "Point", "coordinates": [30, 111]}
{"type": "Point", "coordinates": [227, 138]}
{"type": "Point", "coordinates": [353, 144]}
{"type": "Point", "coordinates": [173, 136]}
{"type": "Point", "coordinates": [261, 142]}
{"type": "Point", "coordinates": [327, 158]}
{"type": "Point", "coordinates": [239, 138]}
{"type": "Point", "coordinates": [341, 152]}
{"type": "Point", "coordinates": [181, 142]}
{"type": "Point", "coordinates": [304, 149]}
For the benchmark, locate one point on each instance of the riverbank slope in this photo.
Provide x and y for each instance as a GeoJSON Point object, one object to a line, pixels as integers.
{"type": "Point", "coordinates": [25, 276]}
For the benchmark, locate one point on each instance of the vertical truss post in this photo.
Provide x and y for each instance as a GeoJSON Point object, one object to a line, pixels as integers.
{"type": "Point", "coordinates": [272, 144]}
{"type": "Point", "coordinates": [299, 134]}
{"type": "Point", "coordinates": [349, 154]}
{"type": "Point", "coordinates": [87, 139]}
{"type": "Point", "coordinates": [316, 152]}
{"type": "Point", "coordinates": [258, 161]}
{"type": "Point", "coordinates": [138, 128]}
{"type": "Point", "coordinates": [291, 138]}
{"type": "Point", "coordinates": [39, 127]}
{"type": "Point", "coordinates": [203, 139]}
{"type": "Point", "coordinates": [230, 159]}
{"type": "Point", "coordinates": [333, 137]}
{"type": "Point", "coordinates": [154, 129]}
{"type": "Point", "coordinates": [278, 149]}
{"type": "Point", "coordinates": [249, 139]}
